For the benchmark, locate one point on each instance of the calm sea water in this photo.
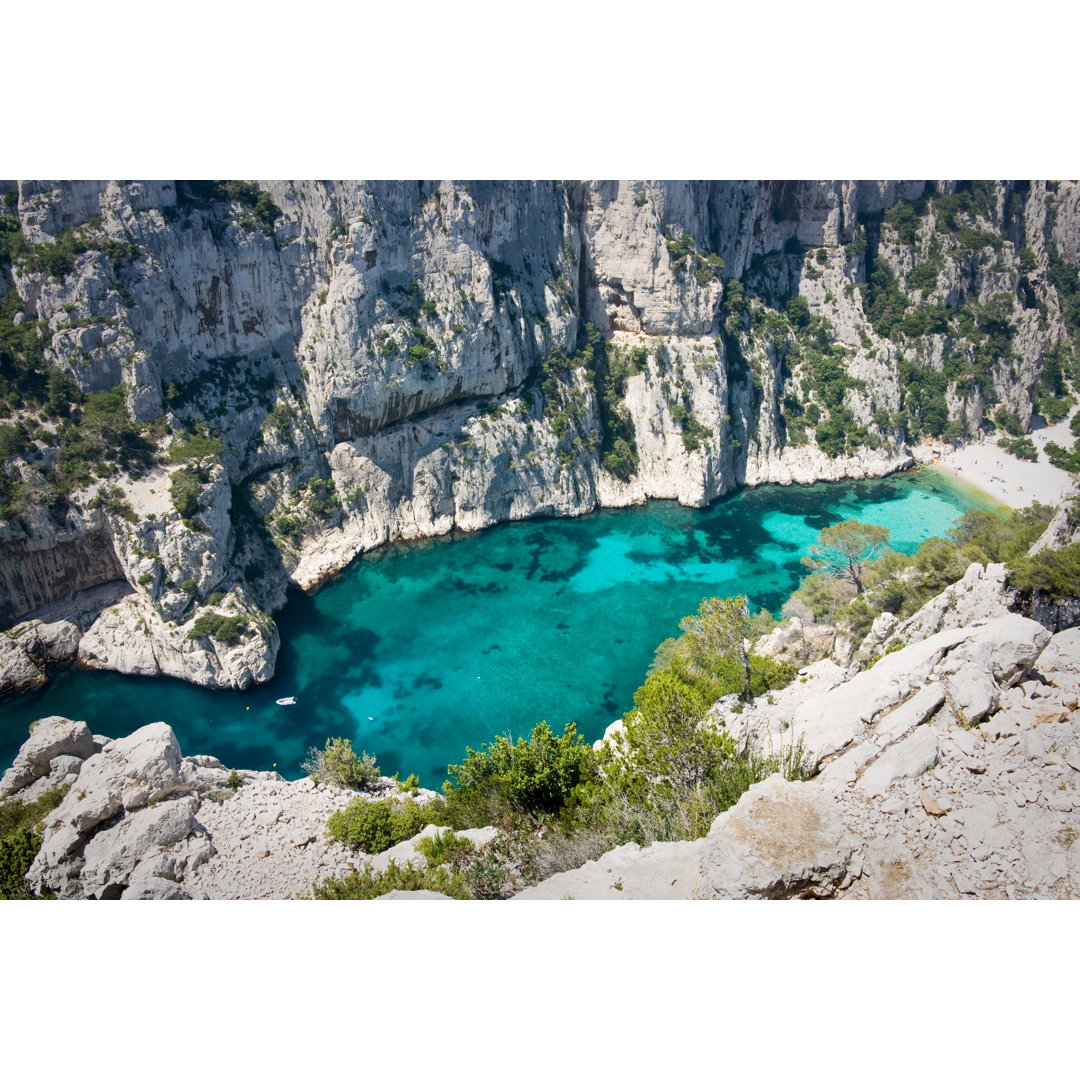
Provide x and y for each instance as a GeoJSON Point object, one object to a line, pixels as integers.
{"type": "Point", "coordinates": [423, 648]}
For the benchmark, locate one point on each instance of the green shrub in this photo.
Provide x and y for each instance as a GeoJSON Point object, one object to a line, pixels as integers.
{"type": "Point", "coordinates": [798, 311]}
{"type": "Point", "coordinates": [17, 852]}
{"type": "Point", "coordinates": [184, 489]}
{"type": "Point", "coordinates": [337, 763]}
{"type": "Point", "coordinates": [20, 839]}
{"type": "Point", "coordinates": [195, 447]}
{"type": "Point", "coordinates": [228, 629]}
{"type": "Point", "coordinates": [1020, 448]}
{"type": "Point", "coordinates": [1054, 410]}
{"type": "Point", "coordinates": [1069, 460]}
{"type": "Point", "coordinates": [1053, 574]}
{"type": "Point", "coordinates": [1010, 421]}
{"type": "Point", "coordinates": [235, 781]}
{"type": "Point", "coordinates": [70, 242]}
{"type": "Point", "coordinates": [505, 779]}
{"type": "Point", "coordinates": [375, 826]}
{"type": "Point", "coordinates": [446, 847]}
{"type": "Point", "coordinates": [368, 885]}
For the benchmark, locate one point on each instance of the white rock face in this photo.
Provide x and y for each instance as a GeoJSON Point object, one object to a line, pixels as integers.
{"type": "Point", "coordinates": [389, 340]}
{"type": "Point", "coordinates": [910, 757]}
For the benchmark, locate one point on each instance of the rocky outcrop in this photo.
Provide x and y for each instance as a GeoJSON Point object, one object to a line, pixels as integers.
{"type": "Point", "coordinates": [919, 805]}
{"type": "Point", "coordinates": [55, 750]}
{"type": "Point", "coordinates": [970, 667]}
{"type": "Point", "coordinates": [140, 821]}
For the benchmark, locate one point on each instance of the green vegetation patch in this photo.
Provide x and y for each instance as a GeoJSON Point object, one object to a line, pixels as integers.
{"type": "Point", "coordinates": [406, 878]}
{"type": "Point", "coordinates": [228, 629]}
{"type": "Point", "coordinates": [58, 258]}
{"type": "Point", "coordinates": [340, 765]}
{"type": "Point", "coordinates": [20, 839]}
{"type": "Point", "coordinates": [375, 826]}
{"type": "Point", "coordinates": [1052, 575]}
{"type": "Point", "coordinates": [1022, 448]}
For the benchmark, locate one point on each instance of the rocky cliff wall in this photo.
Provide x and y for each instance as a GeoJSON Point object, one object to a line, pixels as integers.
{"type": "Point", "coordinates": [387, 360]}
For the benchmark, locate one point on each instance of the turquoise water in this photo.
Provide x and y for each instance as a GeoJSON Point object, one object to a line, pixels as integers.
{"type": "Point", "coordinates": [422, 648]}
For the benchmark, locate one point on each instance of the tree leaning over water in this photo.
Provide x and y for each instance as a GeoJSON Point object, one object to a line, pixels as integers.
{"type": "Point", "coordinates": [845, 549]}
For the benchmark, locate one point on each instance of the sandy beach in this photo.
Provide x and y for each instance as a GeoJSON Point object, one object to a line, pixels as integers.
{"type": "Point", "coordinates": [1008, 479]}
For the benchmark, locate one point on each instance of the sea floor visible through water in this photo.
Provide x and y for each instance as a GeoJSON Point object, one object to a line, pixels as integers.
{"type": "Point", "coordinates": [423, 648]}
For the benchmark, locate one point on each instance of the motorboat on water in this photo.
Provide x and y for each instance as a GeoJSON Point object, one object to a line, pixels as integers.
{"type": "Point", "coordinates": [286, 701]}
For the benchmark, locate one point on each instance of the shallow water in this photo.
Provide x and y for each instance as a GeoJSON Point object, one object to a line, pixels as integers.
{"type": "Point", "coordinates": [423, 648]}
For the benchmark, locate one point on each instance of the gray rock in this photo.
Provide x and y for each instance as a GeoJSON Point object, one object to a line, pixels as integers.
{"type": "Point", "coordinates": [916, 710]}
{"type": "Point", "coordinates": [963, 884]}
{"type": "Point", "coordinates": [661, 871]}
{"type": "Point", "coordinates": [973, 694]}
{"type": "Point", "coordinates": [51, 737]}
{"type": "Point", "coordinates": [112, 854]}
{"type": "Point", "coordinates": [978, 595]}
{"type": "Point", "coordinates": [64, 768]}
{"type": "Point", "coordinates": [892, 874]}
{"type": "Point", "coordinates": [1035, 743]}
{"type": "Point", "coordinates": [781, 840]}
{"type": "Point", "coordinates": [479, 837]}
{"type": "Point", "coordinates": [1005, 649]}
{"type": "Point", "coordinates": [911, 757]}
{"type": "Point", "coordinates": [16, 779]}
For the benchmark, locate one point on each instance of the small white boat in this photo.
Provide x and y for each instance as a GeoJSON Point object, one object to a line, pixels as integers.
{"type": "Point", "coordinates": [286, 701]}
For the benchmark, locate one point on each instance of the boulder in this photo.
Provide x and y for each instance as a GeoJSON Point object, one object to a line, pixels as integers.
{"type": "Point", "coordinates": [978, 595]}
{"type": "Point", "coordinates": [125, 775]}
{"type": "Point", "coordinates": [1061, 656]}
{"type": "Point", "coordinates": [831, 721]}
{"type": "Point", "coordinates": [18, 671]}
{"type": "Point", "coordinates": [1005, 648]}
{"type": "Point", "coordinates": [781, 840]}
{"type": "Point", "coordinates": [50, 738]}
{"type": "Point", "coordinates": [112, 854]}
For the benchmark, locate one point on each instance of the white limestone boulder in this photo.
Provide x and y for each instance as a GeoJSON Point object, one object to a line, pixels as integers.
{"type": "Point", "coordinates": [978, 595]}
{"type": "Point", "coordinates": [112, 854]}
{"type": "Point", "coordinates": [781, 840]}
{"type": "Point", "coordinates": [51, 738]}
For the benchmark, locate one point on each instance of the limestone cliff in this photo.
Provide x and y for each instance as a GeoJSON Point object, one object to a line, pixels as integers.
{"type": "Point", "coordinates": [323, 367]}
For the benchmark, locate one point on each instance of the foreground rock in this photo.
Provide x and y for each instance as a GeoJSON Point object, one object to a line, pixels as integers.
{"type": "Point", "coordinates": [920, 803]}
{"type": "Point", "coordinates": [140, 821]}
